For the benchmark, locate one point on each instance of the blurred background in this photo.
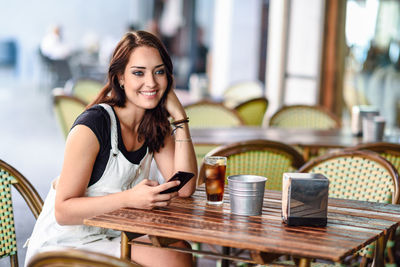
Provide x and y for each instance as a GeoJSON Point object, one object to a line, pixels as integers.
{"type": "Point", "coordinates": [333, 53]}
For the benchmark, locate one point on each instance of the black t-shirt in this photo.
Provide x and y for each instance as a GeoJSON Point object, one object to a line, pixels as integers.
{"type": "Point", "coordinates": [98, 120]}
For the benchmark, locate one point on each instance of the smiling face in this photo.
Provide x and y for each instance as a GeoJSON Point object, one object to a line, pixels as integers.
{"type": "Point", "coordinates": [144, 78]}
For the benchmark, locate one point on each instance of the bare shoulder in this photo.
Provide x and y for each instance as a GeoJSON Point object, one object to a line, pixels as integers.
{"type": "Point", "coordinates": [81, 136]}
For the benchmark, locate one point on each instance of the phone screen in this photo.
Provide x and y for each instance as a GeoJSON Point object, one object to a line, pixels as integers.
{"type": "Point", "coordinates": [184, 177]}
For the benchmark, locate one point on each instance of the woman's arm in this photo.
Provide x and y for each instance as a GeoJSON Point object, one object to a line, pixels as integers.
{"type": "Point", "coordinates": [72, 206]}
{"type": "Point", "coordinates": [178, 151]}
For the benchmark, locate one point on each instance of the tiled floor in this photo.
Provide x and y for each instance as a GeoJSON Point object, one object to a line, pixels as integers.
{"type": "Point", "coordinates": [31, 141]}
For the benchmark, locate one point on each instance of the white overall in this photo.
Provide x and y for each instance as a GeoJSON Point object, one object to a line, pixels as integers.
{"type": "Point", "coordinates": [119, 175]}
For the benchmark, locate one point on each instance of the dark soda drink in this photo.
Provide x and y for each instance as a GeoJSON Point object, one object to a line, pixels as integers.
{"type": "Point", "coordinates": [215, 169]}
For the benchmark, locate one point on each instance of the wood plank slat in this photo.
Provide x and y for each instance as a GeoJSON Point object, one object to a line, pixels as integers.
{"type": "Point", "coordinates": [351, 225]}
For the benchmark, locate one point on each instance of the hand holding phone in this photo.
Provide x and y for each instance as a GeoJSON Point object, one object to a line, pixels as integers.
{"type": "Point", "coordinates": [183, 177]}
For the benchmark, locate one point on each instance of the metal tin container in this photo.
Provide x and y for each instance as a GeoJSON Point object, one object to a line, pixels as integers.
{"type": "Point", "coordinates": [357, 114]}
{"type": "Point", "coordinates": [246, 194]}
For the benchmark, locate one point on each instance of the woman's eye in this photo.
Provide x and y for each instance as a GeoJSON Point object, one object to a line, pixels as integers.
{"type": "Point", "coordinates": [137, 73]}
{"type": "Point", "coordinates": [160, 71]}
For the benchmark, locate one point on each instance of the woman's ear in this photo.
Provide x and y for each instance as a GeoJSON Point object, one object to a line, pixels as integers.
{"type": "Point", "coordinates": [121, 81]}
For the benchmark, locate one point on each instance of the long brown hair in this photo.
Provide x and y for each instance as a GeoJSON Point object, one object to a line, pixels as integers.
{"type": "Point", "coordinates": [155, 125]}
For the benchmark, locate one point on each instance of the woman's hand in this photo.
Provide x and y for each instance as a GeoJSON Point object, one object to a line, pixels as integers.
{"type": "Point", "coordinates": [146, 194]}
{"type": "Point", "coordinates": [174, 106]}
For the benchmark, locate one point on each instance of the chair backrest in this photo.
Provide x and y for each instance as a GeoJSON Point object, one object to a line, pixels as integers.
{"type": "Point", "coordinates": [67, 109]}
{"type": "Point", "coordinates": [211, 114]}
{"type": "Point", "coordinates": [201, 150]}
{"type": "Point", "coordinates": [359, 175]}
{"type": "Point", "coordinates": [77, 258]}
{"type": "Point", "coordinates": [86, 89]}
{"type": "Point", "coordinates": [259, 157]}
{"type": "Point", "coordinates": [240, 92]}
{"type": "Point", "coordinates": [389, 151]}
{"type": "Point", "coordinates": [304, 116]}
{"type": "Point", "coordinates": [9, 177]}
{"type": "Point", "coordinates": [252, 111]}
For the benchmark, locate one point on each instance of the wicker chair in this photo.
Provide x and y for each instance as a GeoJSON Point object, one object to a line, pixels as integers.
{"type": "Point", "coordinates": [77, 258]}
{"type": "Point", "coordinates": [86, 89]}
{"type": "Point", "coordinates": [212, 114]}
{"type": "Point", "coordinates": [304, 116]}
{"type": "Point", "coordinates": [359, 175]}
{"type": "Point", "coordinates": [201, 151]}
{"type": "Point", "coordinates": [240, 92]}
{"type": "Point", "coordinates": [391, 152]}
{"type": "Point", "coordinates": [67, 109]}
{"type": "Point", "coordinates": [252, 111]}
{"type": "Point", "coordinates": [11, 177]}
{"type": "Point", "coordinates": [260, 157]}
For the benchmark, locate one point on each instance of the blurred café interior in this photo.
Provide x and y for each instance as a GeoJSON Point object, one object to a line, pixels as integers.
{"type": "Point", "coordinates": [336, 61]}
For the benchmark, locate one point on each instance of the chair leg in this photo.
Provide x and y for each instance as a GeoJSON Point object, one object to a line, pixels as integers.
{"type": "Point", "coordinates": [390, 248]}
{"type": "Point", "coordinates": [14, 260]}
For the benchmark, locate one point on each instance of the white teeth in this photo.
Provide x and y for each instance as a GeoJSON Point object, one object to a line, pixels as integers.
{"type": "Point", "coordinates": [148, 93]}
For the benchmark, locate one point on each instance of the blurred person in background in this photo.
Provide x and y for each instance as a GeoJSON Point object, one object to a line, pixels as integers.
{"type": "Point", "coordinates": [109, 152]}
{"type": "Point", "coordinates": [53, 45]}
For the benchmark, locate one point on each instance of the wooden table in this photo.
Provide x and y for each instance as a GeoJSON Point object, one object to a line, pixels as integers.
{"type": "Point", "coordinates": [351, 226]}
{"type": "Point", "coordinates": [309, 140]}
{"type": "Point", "coordinates": [304, 137]}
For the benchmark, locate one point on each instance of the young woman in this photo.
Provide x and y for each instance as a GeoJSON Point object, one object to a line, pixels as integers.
{"type": "Point", "coordinates": [109, 151]}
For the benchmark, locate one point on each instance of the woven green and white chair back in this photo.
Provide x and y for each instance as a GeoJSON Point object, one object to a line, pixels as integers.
{"type": "Point", "coordinates": [67, 109]}
{"type": "Point", "coordinates": [201, 151]}
{"type": "Point", "coordinates": [9, 177]}
{"type": "Point", "coordinates": [242, 91]}
{"type": "Point", "coordinates": [253, 111]}
{"type": "Point", "coordinates": [210, 114]}
{"type": "Point", "coordinates": [259, 157]}
{"type": "Point", "coordinates": [303, 116]}
{"type": "Point", "coordinates": [389, 151]}
{"type": "Point", "coordinates": [358, 175]}
{"type": "Point", "coordinates": [86, 89]}
{"type": "Point", "coordinates": [8, 241]}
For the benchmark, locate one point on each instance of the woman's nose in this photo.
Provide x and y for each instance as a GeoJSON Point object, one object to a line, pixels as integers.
{"type": "Point", "coordinates": [150, 81]}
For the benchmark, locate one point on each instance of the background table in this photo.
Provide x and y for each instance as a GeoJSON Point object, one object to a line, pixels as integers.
{"type": "Point", "coordinates": [351, 226]}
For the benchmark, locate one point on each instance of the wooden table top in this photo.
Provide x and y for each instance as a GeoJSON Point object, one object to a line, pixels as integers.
{"type": "Point", "coordinates": [304, 137]}
{"type": "Point", "coordinates": [351, 225]}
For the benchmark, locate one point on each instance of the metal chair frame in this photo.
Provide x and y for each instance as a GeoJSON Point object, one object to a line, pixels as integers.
{"type": "Point", "coordinates": [11, 177]}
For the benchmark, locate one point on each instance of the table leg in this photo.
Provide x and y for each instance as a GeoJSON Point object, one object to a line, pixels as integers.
{"type": "Point", "coordinates": [306, 153]}
{"type": "Point", "coordinates": [125, 248]}
{"type": "Point", "coordinates": [225, 262]}
{"type": "Point", "coordinates": [304, 262]}
{"type": "Point", "coordinates": [379, 257]}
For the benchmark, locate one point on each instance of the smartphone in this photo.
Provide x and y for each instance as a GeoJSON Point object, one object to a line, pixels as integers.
{"type": "Point", "coordinates": [184, 177]}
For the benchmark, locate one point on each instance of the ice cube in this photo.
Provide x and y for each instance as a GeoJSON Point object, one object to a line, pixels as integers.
{"type": "Point", "coordinates": [211, 172]}
{"type": "Point", "coordinates": [213, 187]}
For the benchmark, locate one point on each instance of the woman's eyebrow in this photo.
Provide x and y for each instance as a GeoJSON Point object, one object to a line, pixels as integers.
{"type": "Point", "coordinates": [140, 67]}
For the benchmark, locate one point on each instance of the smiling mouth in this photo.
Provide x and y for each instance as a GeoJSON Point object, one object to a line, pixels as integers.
{"type": "Point", "coordinates": [148, 93]}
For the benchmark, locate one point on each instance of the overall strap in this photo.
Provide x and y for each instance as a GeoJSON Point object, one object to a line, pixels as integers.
{"type": "Point", "coordinates": [114, 130]}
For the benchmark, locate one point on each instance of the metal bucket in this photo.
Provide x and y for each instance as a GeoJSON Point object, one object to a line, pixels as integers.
{"type": "Point", "coordinates": [246, 194]}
